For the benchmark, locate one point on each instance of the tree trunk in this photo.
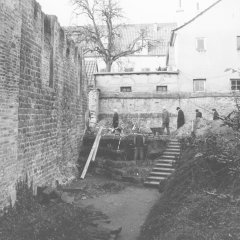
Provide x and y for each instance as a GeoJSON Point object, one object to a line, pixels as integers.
{"type": "Point", "coordinates": [108, 66]}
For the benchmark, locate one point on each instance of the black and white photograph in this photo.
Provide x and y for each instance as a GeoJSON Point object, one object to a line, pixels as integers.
{"type": "Point", "coordinates": [119, 119]}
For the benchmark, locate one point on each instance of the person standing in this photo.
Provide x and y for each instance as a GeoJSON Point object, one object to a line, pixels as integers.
{"type": "Point", "coordinates": [165, 120]}
{"type": "Point", "coordinates": [180, 118]}
{"type": "Point", "coordinates": [198, 114]}
{"type": "Point", "coordinates": [215, 114]}
{"type": "Point", "coordinates": [115, 121]}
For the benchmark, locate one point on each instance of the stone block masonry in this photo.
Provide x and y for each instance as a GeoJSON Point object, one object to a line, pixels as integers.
{"type": "Point", "coordinates": [43, 98]}
{"type": "Point", "coordinates": [143, 103]}
{"type": "Point", "coordinates": [147, 110]}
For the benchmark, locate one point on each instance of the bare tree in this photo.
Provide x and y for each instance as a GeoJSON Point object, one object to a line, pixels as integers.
{"type": "Point", "coordinates": [103, 33]}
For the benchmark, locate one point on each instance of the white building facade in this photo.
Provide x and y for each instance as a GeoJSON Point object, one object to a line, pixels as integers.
{"type": "Point", "coordinates": [205, 46]}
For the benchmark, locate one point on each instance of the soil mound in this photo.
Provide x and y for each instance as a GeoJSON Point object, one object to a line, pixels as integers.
{"type": "Point", "coordinates": [203, 127]}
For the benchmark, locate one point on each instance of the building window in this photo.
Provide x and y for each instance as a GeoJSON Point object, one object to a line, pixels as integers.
{"type": "Point", "coordinates": [235, 84]}
{"type": "Point", "coordinates": [125, 89]}
{"type": "Point", "coordinates": [238, 43]}
{"type": "Point", "coordinates": [161, 88]}
{"type": "Point", "coordinates": [198, 6]}
{"type": "Point", "coordinates": [199, 85]}
{"type": "Point", "coordinates": [128, 69]}
{"type": "Point", "coordinates": [200, 45]}
{"type": "Point", "coordinates": [180, 4]}
{"type": "Point", "coordinates": [145, 69]}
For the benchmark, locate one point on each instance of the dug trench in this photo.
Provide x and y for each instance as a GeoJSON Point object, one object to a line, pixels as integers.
{"type": "Point", "coordinates": [105, 205]}
{"type": "Point", "coordinates": [115, 157]}
{"type": "Point", "coordinates": [128, 202]}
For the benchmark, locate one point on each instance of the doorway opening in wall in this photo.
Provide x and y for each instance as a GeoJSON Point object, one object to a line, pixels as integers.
{"type": "Point", "coordinates": [161, 88]}
{"type": "Point", "coordinates": [235, 84]}
{"type": "Point", "coordinates": [125, 89]}
{"type": "Point", "coordinates": [199, 85]}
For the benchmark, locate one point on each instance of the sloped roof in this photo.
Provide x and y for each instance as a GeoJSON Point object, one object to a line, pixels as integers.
{"type": "Point", "coordinates": [173, 35]}
{"type": "Point", "coordinates": [158, 35]}
{"type": "Point", "coordinates": [91, 68]}
{"type": "Point", "coordinates": [197, 16]}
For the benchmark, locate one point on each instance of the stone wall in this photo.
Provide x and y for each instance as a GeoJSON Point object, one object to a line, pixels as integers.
{"type": "Point", "coordinates": [43, 98]}
{"type": "Point", "coordinates": [148, 110]}
{"type": "Point", "coordinates": [144, 104]}
{"type": "Point", "coordinates": [140, 82]}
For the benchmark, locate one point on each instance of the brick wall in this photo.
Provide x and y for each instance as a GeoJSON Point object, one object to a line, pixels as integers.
{"type": "Point", "coordinates": [10, 35]}
{"type": "Point", "coordinates": [43, 98]}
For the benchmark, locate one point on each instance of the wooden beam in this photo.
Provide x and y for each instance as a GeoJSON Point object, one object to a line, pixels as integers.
{"type": "Point", "coordinates": [91, 153]}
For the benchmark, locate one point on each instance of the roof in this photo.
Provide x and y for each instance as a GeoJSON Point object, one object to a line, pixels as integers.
{"type": "Point", "coordinates": [91, 69]}
{"type": "Point", "coordinates": [197, 16]}
{"type": "Point", "coordinates": [158, 35]}
{"type": "Point", "coordinates": [172, 38]}
{"type": "Point", "coordinates": [173, 35]}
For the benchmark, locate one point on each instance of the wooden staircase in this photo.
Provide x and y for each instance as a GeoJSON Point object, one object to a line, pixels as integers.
{"type": "Point", "coordinates": [165, 165]}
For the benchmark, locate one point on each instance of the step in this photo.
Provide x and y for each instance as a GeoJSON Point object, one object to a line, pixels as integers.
{"type": "Point", "coordinates": [155, 178]}
{"type": "Point", "coordinates": [160, 174]}
{"type": "Point", "coordinates": [151, 183]}
{"type": "Point", "coordinates": [169, 162]}
{"type": "Point", "coordinates": [163, 165]}
{"type": "Point", "coordinates": [171, 153]}
{"type": "Point", "coordinates": [165, 156]}
{"type": "Point", "coordinates": [173, 147]}
{"type": "Point", "coordinates": [164, 160]}
{"type": "Point", "coordinates": [159, 169]}
{"type": "Point", "coordinates": [175, 151]}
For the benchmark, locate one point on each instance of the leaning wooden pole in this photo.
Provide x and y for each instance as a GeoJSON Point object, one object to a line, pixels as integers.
{"type": "Point", "coordinates": [96, 148]}
{"type": "Point", "coordinates": [95, 144]}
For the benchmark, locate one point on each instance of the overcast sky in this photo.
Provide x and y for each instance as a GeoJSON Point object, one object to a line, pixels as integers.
{"type": "Point", "coordinates": [137, 11]}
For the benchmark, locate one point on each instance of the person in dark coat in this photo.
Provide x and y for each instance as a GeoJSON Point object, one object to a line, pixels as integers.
{"type": "Point", "coordinates": [115, 119]}
{"type": "Point", "coordinates": [198, 114]}
{"type": "Point", "coordinates": [165, 120]}
{"type": "Point", "coordinates": [215, 114]}
{"type": "Point", "coordinates": [180, 118]}
{"type": "Point", "coordinates": [115, 123]}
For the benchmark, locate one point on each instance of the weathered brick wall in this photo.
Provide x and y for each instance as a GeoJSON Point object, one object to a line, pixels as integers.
{"type": "Point", "coordinates": [43, 97]}
{"type": "Point", "coordinates": [10, 35]}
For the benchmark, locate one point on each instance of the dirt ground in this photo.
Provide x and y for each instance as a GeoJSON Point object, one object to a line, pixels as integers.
{"type": "Point", "coordinates": [128, 207]}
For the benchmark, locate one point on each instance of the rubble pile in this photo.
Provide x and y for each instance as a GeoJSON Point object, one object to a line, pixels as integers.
{"type": "Point", "coordinates": [124, 124]}
{"type": "Point", "coordinates": [203, 127]}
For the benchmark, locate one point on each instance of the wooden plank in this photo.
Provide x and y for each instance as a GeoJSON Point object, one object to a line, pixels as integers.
{"type": "Point", "coordinates": [96, 149]}
{"type": "Point", "coordinates": [91, 154]}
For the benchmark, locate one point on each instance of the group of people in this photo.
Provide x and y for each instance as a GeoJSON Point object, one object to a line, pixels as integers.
{"type": "Point", "coordinates": [181, 119]}
{"type": "Point", "coordinates": [166, 118]}
{"type": "Point", "coordinates": [139, 139]}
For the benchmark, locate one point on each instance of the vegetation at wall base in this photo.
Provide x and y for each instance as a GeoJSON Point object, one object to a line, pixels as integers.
{"type": "Point", "coordinates": [30, 220]}
{"type": "Point", "coordinates": [201, 200]}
